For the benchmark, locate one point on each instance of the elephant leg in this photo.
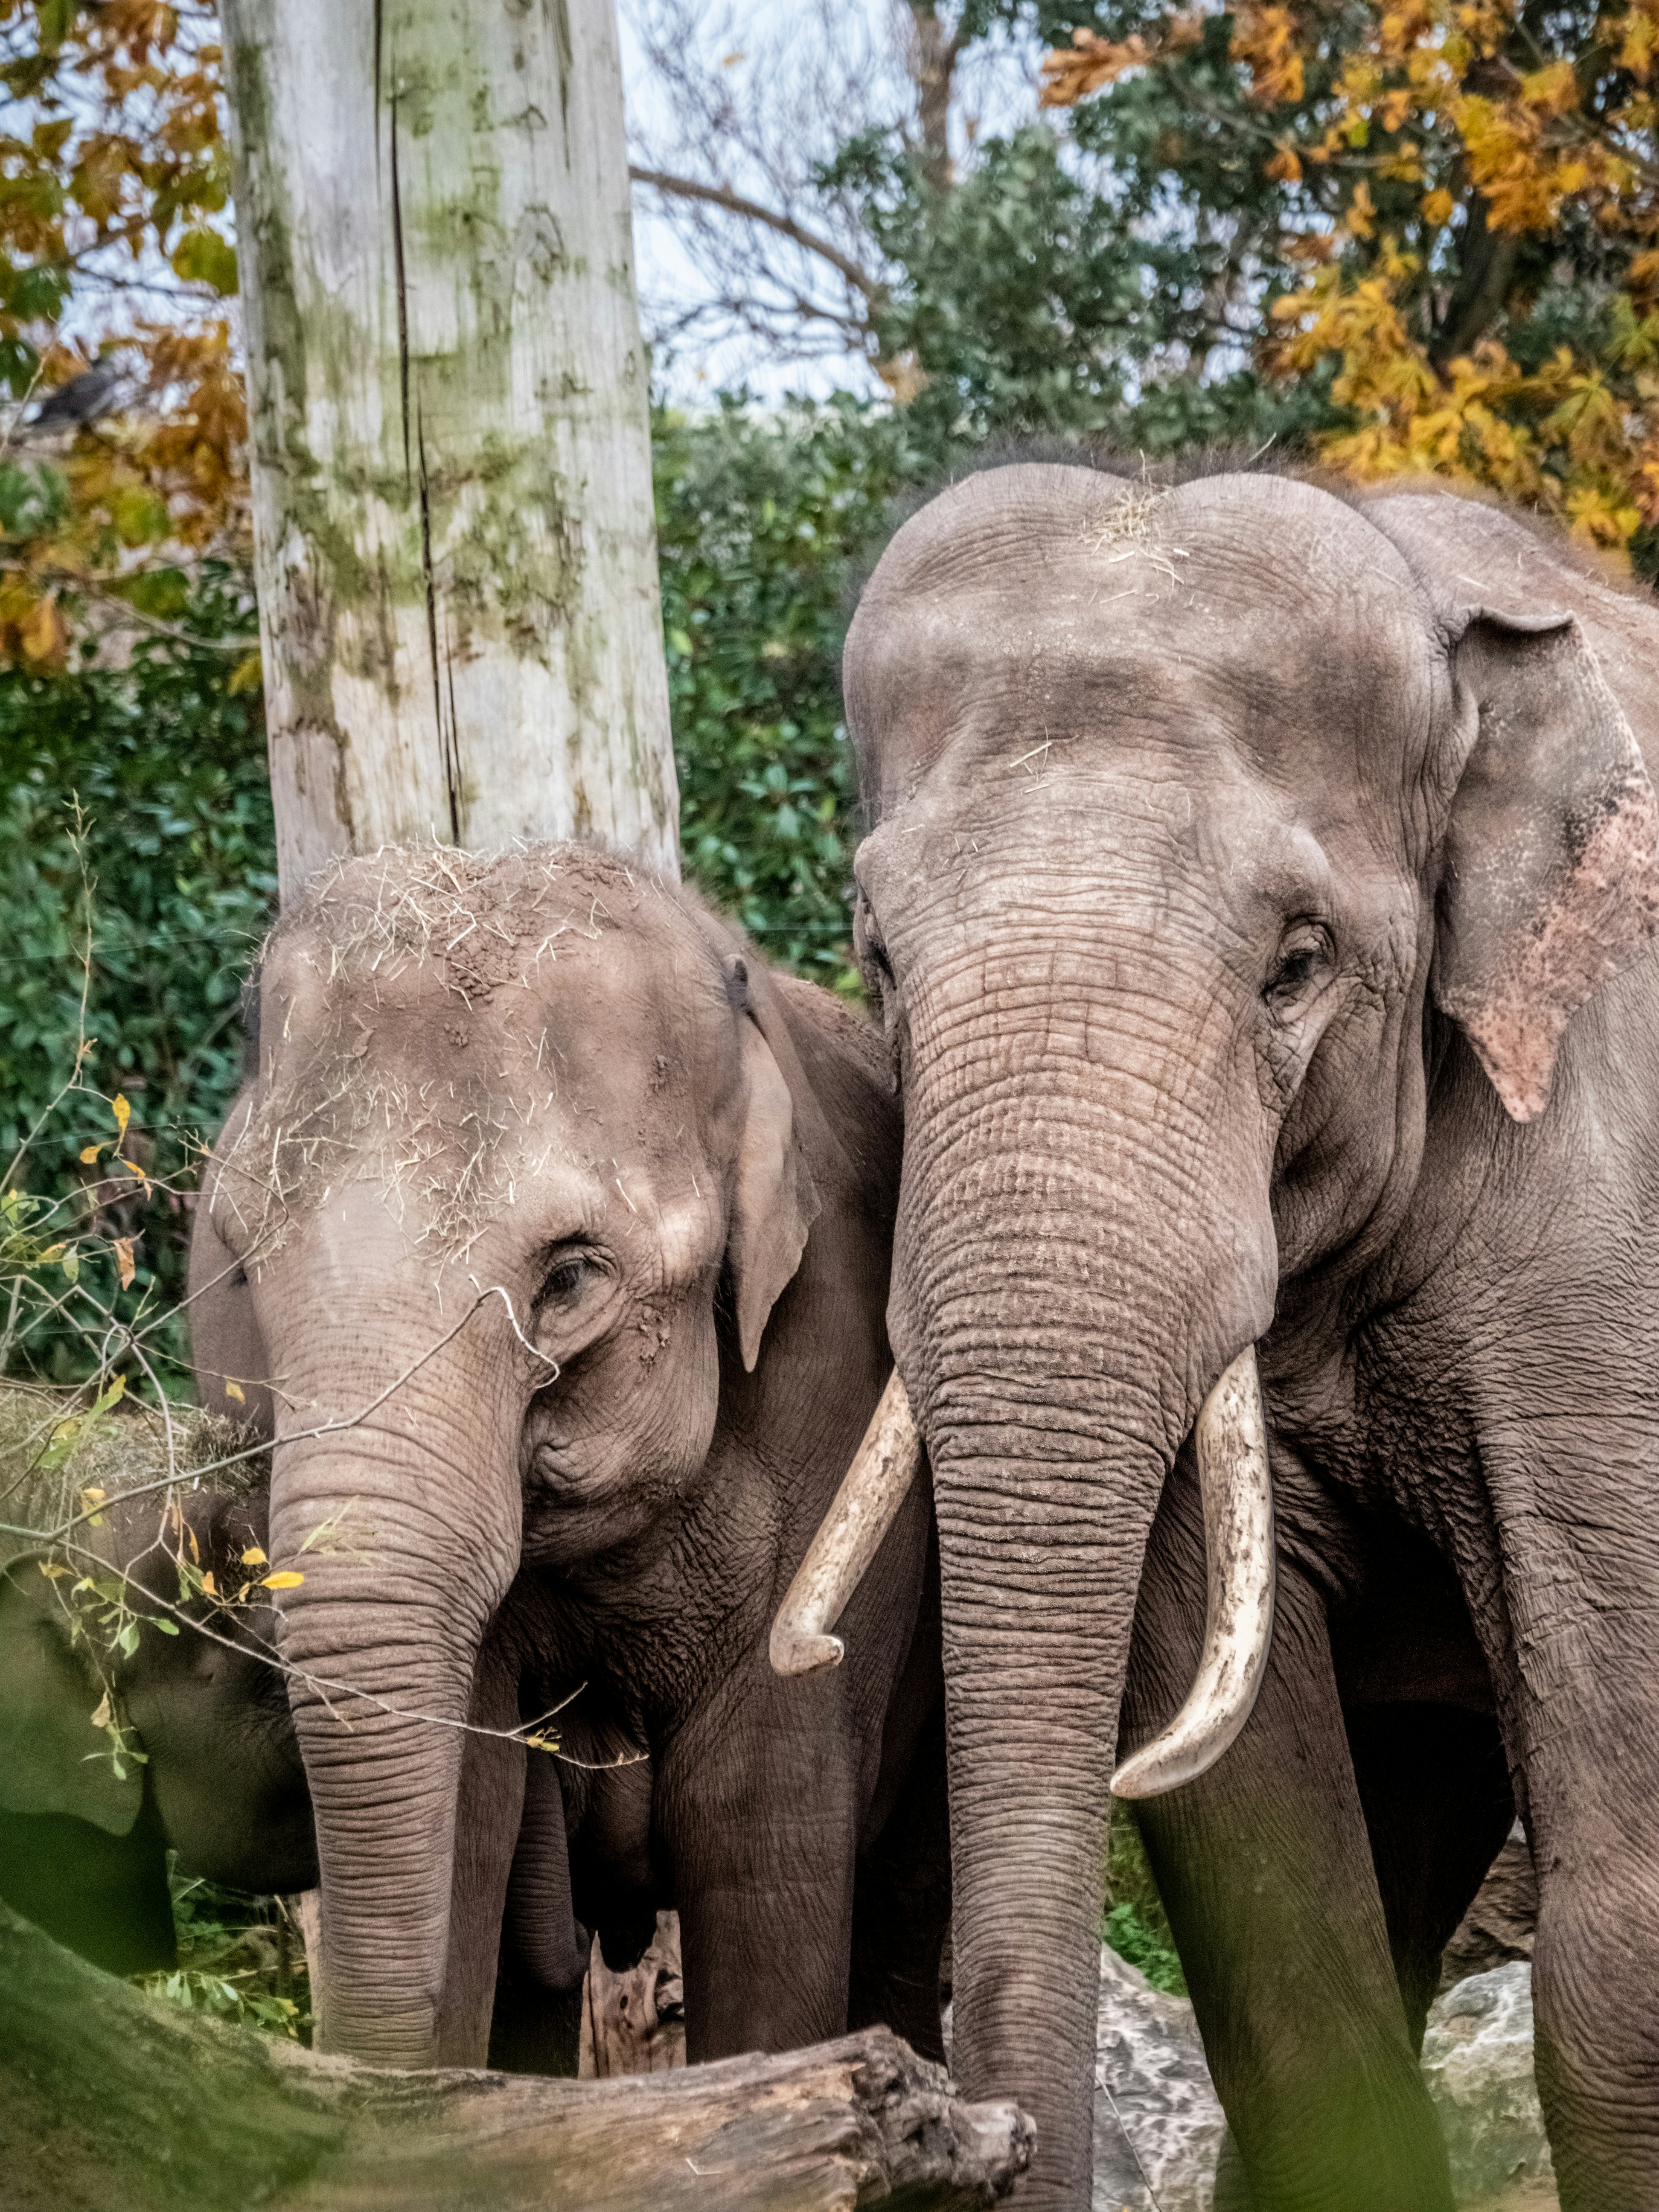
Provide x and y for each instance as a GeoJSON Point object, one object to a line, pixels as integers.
{"type": "Point", "coordinates": [535, 2027]}
{"type": "Point", "coordinates": [756, 1809]}
{"type": "Point", "coordinates": [902, 1906]}
{"type": "Point", "coordinates": [1265, 1870]}
{"type": "Point", "coordinates": [489, 1814]}
{"type": "Point", "coordinates": [1590, 1792]}
{"type": "Point", "coordinates": [1434, 1782]}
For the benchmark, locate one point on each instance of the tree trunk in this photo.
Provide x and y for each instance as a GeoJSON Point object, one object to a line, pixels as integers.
{"type": "Point", "coordinates": [109, 2098]}
{"type": "Point", "coordinates": [452, 481]}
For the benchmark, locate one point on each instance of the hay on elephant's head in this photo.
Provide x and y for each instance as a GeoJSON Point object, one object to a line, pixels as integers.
{"type": "Point", "coordinates": [471, 925]}
{"type": "Point", "coordinates": [54, 1451]}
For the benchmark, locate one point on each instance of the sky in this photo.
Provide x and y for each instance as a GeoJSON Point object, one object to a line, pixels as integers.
{"type": "Point", "coordinates": [744, 35]}
{"type": "Point", "coordinates": [851, 48]}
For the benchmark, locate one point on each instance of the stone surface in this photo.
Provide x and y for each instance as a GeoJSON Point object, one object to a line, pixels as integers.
{"type": "Point", "coordinates": [1478, 2058]}
{"type": "Point", "coordinates": [1158, 2126]}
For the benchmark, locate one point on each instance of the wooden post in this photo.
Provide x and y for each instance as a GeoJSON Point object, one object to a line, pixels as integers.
{"type": "Point", "coordinates": [453, 513]}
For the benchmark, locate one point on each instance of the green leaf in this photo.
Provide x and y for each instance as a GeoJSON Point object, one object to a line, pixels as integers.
{"type": "Point", "coordinates": [202, 256]}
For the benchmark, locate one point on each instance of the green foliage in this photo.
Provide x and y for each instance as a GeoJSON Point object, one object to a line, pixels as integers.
{"type": "Point", "coordinates": [135, 821]}
{"type": "Point", "coordinates": [1136, 1926]}
{"type": "Point", "coordinates": [1104, 281]}
{"type": "Point", "coordinates": [239, 1958]}
{"type": "Point", "coordinates": [761, 520]}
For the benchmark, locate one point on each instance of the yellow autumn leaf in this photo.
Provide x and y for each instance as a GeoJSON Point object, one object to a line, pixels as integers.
{"type": "Point", "coordinates": [122, 1112]}
{"type": "Point", "coordinates": [102, 1717]}
{"type": "Point", "coordinates": [52, 1571]}
{"type": "Point", "coordinates": [253, 1557]}
{"type": "Point", "coordinates": [235, 1390]}
{"type": "Point", "coordinates": [287, 1580]}
{"type": "Point", "coordinates": [90, 1155]}
{"type": "Point", "coordinates": [42, 634]}
{"type": "Point", "coordinates": [207, 1583]}
{"type": "Point", "coordinates": [124, 1260]}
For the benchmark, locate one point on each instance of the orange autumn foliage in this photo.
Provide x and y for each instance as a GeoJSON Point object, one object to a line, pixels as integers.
{"type": "Point", "coordinates": [115, 222]}
{"type": "Point", "coordinates": [1468, 231]}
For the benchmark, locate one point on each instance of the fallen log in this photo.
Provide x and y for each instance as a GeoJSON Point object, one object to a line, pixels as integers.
{"type": "Point", "coordinates": [109, 2098]}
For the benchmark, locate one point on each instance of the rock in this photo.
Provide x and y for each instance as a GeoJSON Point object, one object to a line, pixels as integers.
{"type": "Point", "coordinates": [1158, 2125]}
{"type": "Point", "coordinates": [1477, 2057]}
{"type": "Point", "coordinates": [1498, 1926]}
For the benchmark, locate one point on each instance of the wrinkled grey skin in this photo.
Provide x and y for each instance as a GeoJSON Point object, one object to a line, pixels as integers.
{"type": "Point", "coordinates": [83, 1851]}
{"type": "Point", "coordinates": [1228, 862]}
{"type": "Point", "coordinates": [218, 1778]}
{"type": "Point", "coordinates": [567, 1227]}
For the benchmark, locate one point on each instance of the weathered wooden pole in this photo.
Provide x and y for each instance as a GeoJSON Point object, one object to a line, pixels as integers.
{"type": "Point", "coordinates": [453, 517]}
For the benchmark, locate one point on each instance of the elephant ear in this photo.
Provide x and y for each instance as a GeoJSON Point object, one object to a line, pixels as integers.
{"type": "Point", "coordinates": [775, 1201]}
{"type": "Point", "coordinates": [1551, 879]}
{"type": "Point", "coordinates": [52, 1759]}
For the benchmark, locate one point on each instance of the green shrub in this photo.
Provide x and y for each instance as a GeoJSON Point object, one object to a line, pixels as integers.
{"type": "Point", "coordinates": [1136, 1926]}
{"type": "Point", "coordinates": [762, 519]}
{"type": "Point", "coordinates": [240, 1959]}
{"type": "Point", "coordinates": [137, 876]}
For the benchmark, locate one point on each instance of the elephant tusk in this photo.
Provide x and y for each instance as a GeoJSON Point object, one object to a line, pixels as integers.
{"type": "Point", "coordinates": [865, 1508]}
{"type": "Point", "coordinates": [1236, 1489]}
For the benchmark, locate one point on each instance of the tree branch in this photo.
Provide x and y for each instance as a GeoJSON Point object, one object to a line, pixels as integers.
{"type": "Point", "coordinates": [108, 2097]}
{"type": "Point", "coordinates": [722, 196]}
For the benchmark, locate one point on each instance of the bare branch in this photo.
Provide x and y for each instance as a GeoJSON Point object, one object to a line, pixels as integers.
{"type": "Point", "coordinates": [722, 196]}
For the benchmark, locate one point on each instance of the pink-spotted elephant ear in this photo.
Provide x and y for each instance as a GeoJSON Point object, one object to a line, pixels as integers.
{"type": "Point", "coordinates": [1550, 878]}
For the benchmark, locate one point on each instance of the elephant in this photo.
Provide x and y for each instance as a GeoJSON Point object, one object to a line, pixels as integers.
{"type": "Point", "coordinates": [1259, 892]}
{"type": "Point", "coordinates": [213, 1771]}
{"type": "Point", "coordinates": [553, 1230]}
{"type": "Point", "coordinates": [217, 1776]}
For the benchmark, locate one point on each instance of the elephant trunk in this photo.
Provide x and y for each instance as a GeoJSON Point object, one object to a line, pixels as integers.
{"type": "Point", "coordinates": [404, 1564]}
{"type": "Point", "coordinates": [1230, 1445]}
{"type": "Point", "coordinates": [1074, 1286]}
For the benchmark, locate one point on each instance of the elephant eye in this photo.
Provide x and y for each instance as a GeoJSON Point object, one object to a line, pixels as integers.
{"type": "Point", "coordinates": [867, 940]}
{"type": "Point", "coordinates": [1304, 952]}
{"type": "Point", "coordinates": [567, 1279]}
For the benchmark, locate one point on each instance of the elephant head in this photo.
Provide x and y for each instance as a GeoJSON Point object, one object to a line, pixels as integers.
{"type": "Point", "coordinates": [519, 1155]}
{"type": "Point", "coordinates": [216, 1775]}
{"type": "Point", "coordinates": [1206, 835]}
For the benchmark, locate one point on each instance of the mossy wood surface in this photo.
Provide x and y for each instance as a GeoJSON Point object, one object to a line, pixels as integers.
{"type": "Point", "coordinates": [452, 475]}
{"type": "Point", "coordinates": [108, 2098]}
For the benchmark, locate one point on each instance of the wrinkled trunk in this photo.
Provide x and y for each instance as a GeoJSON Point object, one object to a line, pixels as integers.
{"type": "Point", "coordinates": [1084, 1246]}
{"type": "Point", "coordinates": [407, 1547]}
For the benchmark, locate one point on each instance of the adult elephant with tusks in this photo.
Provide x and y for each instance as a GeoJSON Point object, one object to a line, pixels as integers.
{"type": "Point", "coordinates": [1259, 896]}
{"type": "Point", "coordinates": [553, 1232]}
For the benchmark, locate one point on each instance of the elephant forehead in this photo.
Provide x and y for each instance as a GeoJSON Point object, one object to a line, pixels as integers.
{"type": "Point", "coordinates": [1256, 612]}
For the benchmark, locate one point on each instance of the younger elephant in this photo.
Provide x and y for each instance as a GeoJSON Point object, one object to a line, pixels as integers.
{"type": "Point", "coordinates": [83, 1838]}
{"type": "Point", "coordinates": [564, 1229]}
{"type": "Point", "coordinates": [212, 1769]}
